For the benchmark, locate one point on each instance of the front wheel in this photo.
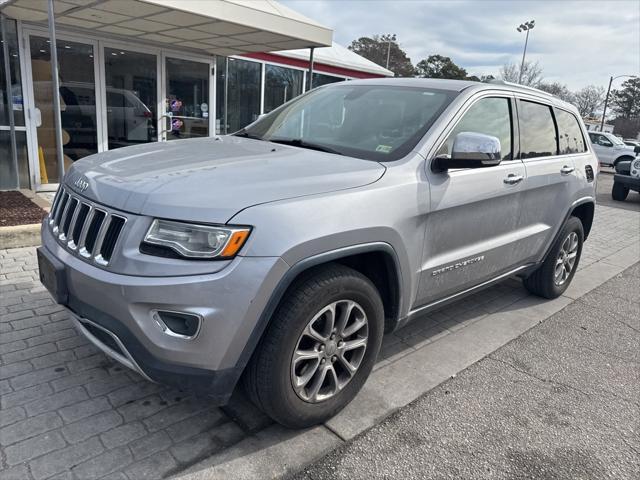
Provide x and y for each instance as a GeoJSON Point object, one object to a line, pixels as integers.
{"type": "Point", "coordinates": [553, 277]}
{"type": "Point", "coordinates": [319, 348]}
{"type": "Point", "coordinates": [619, 192]}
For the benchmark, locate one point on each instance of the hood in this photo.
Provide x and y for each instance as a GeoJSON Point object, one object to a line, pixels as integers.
{"type": "Point", "coordinates": [211, 179]}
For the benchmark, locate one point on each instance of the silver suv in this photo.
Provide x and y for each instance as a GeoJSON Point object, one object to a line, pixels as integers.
{"type": "Point", "coordinates": [281, 254]}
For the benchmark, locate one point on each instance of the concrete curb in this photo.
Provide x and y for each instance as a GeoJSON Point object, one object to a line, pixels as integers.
{"type": "Point", "coordinates": [278, 452]}
{"type": "Point", "coordinates": [20, 236]}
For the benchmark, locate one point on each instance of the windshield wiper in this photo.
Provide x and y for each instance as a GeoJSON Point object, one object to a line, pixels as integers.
{"type": "Point", "coordinates": [298, 142]}
{"type": "Point", "coordinates": [245, 134]}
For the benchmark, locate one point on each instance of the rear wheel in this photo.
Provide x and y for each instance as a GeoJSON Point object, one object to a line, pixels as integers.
{"type": "Point", "coordinates": [619, 192]}
{"type": "Point", "coordinates": [553, 277]}
{"type": "Point", "coordinates": [319, 348]}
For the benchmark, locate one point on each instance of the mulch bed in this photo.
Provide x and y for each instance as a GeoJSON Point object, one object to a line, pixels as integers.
{"type": "Point", "coordinates": [16, 209]}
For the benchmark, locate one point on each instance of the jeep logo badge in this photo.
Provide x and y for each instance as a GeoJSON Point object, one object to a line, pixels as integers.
{"type": "Point", "coordinates": [81, 184]}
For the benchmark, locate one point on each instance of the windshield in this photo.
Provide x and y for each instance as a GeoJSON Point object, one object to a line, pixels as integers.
{"type": "Point", "coordinates": [373, 122]}
{"type": "Point", "coordinates": [615, 140]}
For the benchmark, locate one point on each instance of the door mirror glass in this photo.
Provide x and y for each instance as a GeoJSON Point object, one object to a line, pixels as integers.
{"type": "Point", "coordinates": [471, 150]}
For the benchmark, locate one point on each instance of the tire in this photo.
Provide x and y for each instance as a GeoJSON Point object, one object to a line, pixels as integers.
{"type": "Point", "coordinates": [622, 159]}
{"type": "Point", "coordinates": [619, 192]}
{"type": "Point", "coordinates": [544, 282]}
{"type": "Point", "coordinates": [270, 375]}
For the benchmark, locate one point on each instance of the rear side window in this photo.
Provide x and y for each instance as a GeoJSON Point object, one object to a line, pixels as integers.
{"type": "Point", "coordinates": [571, 139]}
{"type": "Point", "coordinates": [537, 130]}
{"type": "Point", "coordinates": [490, 116]}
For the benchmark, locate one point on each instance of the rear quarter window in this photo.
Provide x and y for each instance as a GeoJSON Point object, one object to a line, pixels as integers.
{"type": "Point", "coordinates": [570, 135]}
{"type": "Point", "coordinates": [537, 130]}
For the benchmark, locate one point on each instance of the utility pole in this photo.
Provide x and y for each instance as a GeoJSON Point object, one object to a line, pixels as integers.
{"type": "Point", "coordinates": [525, 27]}
{"type": "Point", "coordinates": [606, 99]}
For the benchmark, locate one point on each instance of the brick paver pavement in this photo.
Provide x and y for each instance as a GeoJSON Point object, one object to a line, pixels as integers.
{"type": "Point", "coordinates": [68, 412]}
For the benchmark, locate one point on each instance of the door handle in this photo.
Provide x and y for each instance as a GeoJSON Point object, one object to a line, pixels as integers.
{"type": "Point", "coordinates": [566, 170]}
{"type": "Point", "coordinates": [513, 179]}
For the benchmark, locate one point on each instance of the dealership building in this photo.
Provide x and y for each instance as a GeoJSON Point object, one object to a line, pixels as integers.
{"type": "Point", "coordinates": [138, 71]}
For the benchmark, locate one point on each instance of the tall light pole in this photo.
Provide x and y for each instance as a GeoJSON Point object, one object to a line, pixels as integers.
{"type": "Point", "coordinates": [391, 39]}
{"type": "Point", "coordinates": [525, 27]}
{"type": "Point", "coordinates": [606, 99]}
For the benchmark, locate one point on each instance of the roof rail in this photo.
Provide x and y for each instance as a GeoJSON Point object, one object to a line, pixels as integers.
{"type": "Point", "coordinates": [496, 81]}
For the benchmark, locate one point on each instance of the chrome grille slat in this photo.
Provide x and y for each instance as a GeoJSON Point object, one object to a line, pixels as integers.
{"type": "Point", "coordinates": [69, 222]}
{"type": "Point", "coordinates": [63, 217]}
{"type": "Point", "coordinates": [99, 239]}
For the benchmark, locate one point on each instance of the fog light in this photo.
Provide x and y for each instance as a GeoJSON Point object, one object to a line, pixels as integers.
{"type": "Point", "coordinates": [178, 324]}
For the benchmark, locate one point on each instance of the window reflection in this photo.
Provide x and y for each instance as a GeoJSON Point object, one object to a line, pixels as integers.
{"type": "Point", "coordinates": [571, 139]}
{"type": "Point", "coordinates": [243, 101]}
{"type": "Point", "coordinates": [537, 130]}
{"type": "Point", "coordinates": [131, 97]}
{"type": "Point", "coordinates": [281, 85]}
{"type": "Point", "coordinates": [77, 99]}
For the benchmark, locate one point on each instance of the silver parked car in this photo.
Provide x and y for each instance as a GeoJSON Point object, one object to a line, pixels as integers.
{"type": "Point", "coordinates": [283, 253]}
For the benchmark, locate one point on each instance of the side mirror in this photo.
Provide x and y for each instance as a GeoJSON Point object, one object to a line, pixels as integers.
{"type": "Point", "coordinates": [470, 150]}
{"type": "Point", "coordinates": [605, 143]}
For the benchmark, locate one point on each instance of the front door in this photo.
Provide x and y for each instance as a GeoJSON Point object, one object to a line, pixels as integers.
{"type": "Point", "coordinates": [187, 98]}
{"type": "Point", "coordinates": [471, 234]}
{"type": "Point", "coordinates": [78, 104]}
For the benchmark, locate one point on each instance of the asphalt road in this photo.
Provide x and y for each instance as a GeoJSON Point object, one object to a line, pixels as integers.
{"type": "Point", "coordinates": [560, 402]}
{"type": "Point", "coordinates": [603, 193]}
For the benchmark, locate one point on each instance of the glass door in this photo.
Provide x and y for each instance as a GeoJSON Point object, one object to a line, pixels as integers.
{"type": "Point", "coordinates": [80, 127]}
{"type": "Point", "coordinates": [131, 84]}
{"type": "Point", "coordinates": [187, 86]}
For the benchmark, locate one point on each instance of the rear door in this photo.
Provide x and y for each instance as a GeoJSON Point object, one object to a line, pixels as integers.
{"type": "Point", "coordinates": [551, 175]}
{"type": "Point", "coordinates": [471, 234]}
{"type": "Point", "coordinates": [603, 148]}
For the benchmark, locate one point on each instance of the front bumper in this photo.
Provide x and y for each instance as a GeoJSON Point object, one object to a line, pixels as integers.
{"type": "Point", "coordinates": [230, 303]}
{"type": "Point", "coordinates": [632, 183]}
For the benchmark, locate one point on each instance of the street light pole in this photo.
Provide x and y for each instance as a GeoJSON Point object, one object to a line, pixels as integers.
{"type": "Point", "coordinates": [525, 27]}
{"type": "Point", "coordinates": [606, 99]}
{"type": "Point", "coordinates": [391, 39]}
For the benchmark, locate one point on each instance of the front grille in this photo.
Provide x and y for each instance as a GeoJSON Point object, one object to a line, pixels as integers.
{"type": "Point", "coordinates": [85, 228]}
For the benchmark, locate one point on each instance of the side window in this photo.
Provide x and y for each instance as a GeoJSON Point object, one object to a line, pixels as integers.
{"type": "Point", "coordinates": [537, 130]}
{"type": "Point", "coordinates": [571, 139]}
{"type": "Point", "coordinates": [490, 116]}
{"type": "Point", "coordinates": [592, 137]}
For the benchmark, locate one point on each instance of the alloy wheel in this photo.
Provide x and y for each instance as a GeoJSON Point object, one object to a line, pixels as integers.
{"type": "Point", "coordinates": [329, 351]}
{"type": "Point", "coordinates": [566, 259]}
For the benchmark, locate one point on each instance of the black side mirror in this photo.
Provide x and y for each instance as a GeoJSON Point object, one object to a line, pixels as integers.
{"type": "Point", "coordinates": [470, 150]}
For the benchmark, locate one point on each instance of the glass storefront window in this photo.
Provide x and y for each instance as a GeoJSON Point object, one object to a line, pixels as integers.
{"type": "Point", "coordinates": [320, 79]}
{"type": "Point", "coordinates": [281, 84]}
{"type": "Point", "coordinates": [16, 85]}
{"type": "Point", "coordinates": [132, 97]}
{"type": "Point", "coordinates": [11, 98]}
{"type": "Point", "coordinates": [187, 103]}
{"type": "Point", "coordinates": [7, 168]}
{"type": "Point", "coordinates": [77, 98]}
{"type": "Point", "coordinates": [243, 102]}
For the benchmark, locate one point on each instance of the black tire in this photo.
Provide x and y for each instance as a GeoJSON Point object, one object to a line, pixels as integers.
{"type": "Point", "coordinates": [619, 192]}
{"type": "Point", "coordinates": [542, 281]}
{"type": "Point", "coordinates": [268, 378]}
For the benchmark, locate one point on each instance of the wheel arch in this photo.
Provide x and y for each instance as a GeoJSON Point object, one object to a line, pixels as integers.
{"type": "Point", "coordinates": [623, 158]}
{"type": "Point", "coordinates": [387, 278]}
{"type": "Point", "coordinates": [585, 212]}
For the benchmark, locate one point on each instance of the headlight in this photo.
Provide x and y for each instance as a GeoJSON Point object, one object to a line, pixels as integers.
{"type": "Point", "coordinates": [192, 240]}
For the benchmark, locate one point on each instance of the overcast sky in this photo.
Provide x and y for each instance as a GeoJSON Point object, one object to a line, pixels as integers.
{"type": "Point", "coordinates": [577, 42]}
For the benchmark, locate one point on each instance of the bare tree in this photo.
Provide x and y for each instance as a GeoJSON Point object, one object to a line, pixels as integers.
{"type": "Point", "coordinates": [531, 73]}
{"type": "Point", "coordinates": [559, 90]}
{"type": "Point", "coordinates": [589, 99]}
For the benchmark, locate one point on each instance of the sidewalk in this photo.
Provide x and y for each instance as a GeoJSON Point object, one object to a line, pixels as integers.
{"type": "Point", "coordinates": [67, 410]}
{"type": "Point", "coordinates": [562, 401]}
